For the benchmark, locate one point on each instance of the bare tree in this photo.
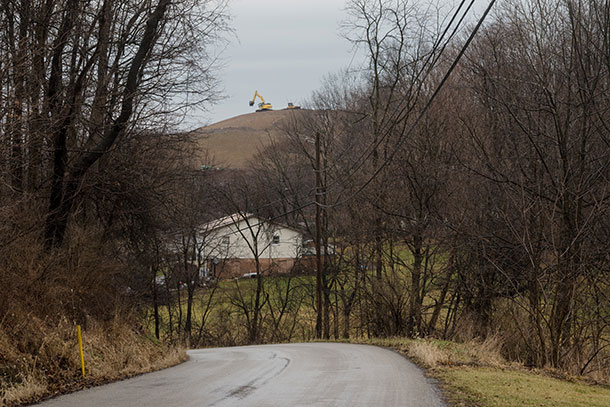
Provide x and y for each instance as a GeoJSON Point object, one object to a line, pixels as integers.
{"type": "Point", "coordinates": [81, 75]}
{"type": "Point", "coordinates": [544, 150]}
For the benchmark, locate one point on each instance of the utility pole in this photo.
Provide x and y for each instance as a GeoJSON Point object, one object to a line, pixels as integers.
{"type": "Point", "coordinates": [318, 241]}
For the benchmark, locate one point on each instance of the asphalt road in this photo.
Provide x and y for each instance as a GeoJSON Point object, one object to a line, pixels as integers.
{"type": "Point", "coordinates": [307, 374]}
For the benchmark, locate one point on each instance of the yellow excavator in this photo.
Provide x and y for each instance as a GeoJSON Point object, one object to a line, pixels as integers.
{"type": "Point", "coordinates": [261, 106]}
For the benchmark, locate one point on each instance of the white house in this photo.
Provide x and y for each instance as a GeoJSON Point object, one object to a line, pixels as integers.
{"type": "Point", "coordinates": [233, 245]}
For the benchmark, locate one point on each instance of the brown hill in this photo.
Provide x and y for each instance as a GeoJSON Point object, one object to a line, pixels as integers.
{"type": "Point", "coordinates": [233, 142]}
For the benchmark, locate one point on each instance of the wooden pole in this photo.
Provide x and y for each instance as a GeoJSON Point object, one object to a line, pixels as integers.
{"type": "Point", "coordinates": [318, 239]}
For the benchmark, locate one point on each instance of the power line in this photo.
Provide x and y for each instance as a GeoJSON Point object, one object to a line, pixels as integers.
{"type": "Point", "coordinates": [422, 113]}
{"type": "Point", "coordinates": [427, 68]}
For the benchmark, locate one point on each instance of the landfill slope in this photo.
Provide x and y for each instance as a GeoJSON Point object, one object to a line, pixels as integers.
{"type": "Point", "coordinates": [234, 142]}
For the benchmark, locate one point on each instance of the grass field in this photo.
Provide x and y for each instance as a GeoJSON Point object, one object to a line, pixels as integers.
{"type": "Point", "coordinates": [224, 321]}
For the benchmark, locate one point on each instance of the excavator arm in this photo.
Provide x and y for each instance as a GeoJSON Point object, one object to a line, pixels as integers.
{"type": "Point", "coordinates": [254, 98]}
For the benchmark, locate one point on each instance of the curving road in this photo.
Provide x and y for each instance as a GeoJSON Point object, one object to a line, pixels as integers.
{"type": "Point", "coordinates": [306, 374]}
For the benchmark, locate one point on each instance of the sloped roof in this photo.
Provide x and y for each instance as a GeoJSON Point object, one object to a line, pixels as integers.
{"type": "Point", "coordinates": [235, 218]}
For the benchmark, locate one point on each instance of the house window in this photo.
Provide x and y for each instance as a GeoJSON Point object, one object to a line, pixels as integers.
{"type": "Point", "coordinates": [225, 242]}
{"type": "Point", "coordinates": [276, 239]}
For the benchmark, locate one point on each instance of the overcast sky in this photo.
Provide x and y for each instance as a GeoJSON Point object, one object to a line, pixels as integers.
{"type": "Point", "coordinates": [283, 49]}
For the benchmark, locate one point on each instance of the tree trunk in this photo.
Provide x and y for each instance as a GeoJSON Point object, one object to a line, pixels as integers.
{"type": "Point", "coordinates": [62, 191]}
{"type": "Point", "coordinates": [441, 300]}
{"type": "Point", "coordinates": [155, 301]}
{"type": "Point", "coordinates": [414, 307]}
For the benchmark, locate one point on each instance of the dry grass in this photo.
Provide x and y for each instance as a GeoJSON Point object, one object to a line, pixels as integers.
{"type": "Point", "coordinates": [29, 388]}
{"type": "Point", "coordinates": [429, 354]}
{"type": "Point", "coordinates": [112, 351]}
{"type": "Point", "coordinates": [42, 294]}
{"type": "Point", "coordinates": [433, 353]}
{"type": "Point", "coordinates": [115, 352]}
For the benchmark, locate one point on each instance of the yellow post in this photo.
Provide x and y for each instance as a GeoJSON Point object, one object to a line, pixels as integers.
{"type": "Point", "coordinates": [80, 348]}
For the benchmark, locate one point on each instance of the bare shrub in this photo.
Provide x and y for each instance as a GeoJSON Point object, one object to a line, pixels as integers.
{"type": "Point", "coordinates": [44, 295]}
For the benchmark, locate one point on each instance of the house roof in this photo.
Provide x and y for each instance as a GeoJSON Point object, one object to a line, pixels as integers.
{"type": "Point", "coordinates": [235, 218]}
{"type": "Point", "coordinates": [225, 221]}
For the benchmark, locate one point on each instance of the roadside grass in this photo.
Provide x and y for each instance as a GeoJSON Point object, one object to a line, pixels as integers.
{"type": "Point", "coordinates": [113, 350]}
{"type": "Point", "coordinates": [486, 386]}
{"type": "Point", "coordinates": [43, 293]}
{"type": "Point", "coordinates": [475, 374]}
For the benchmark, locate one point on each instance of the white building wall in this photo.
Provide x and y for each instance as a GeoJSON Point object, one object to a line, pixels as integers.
{"type": "Point", "coordinates": [237, 241]}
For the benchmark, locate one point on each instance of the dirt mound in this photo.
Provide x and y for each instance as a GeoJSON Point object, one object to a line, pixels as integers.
{"type": "Point", "coordinates": [232, 143]}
